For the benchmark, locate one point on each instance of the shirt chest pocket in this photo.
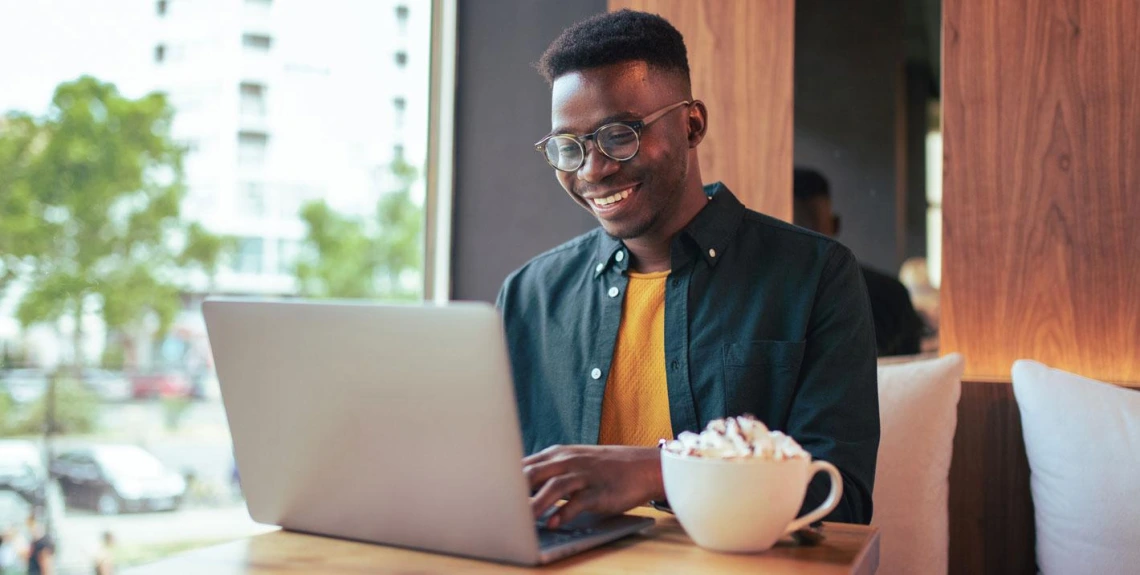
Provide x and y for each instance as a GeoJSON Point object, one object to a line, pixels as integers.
{"type": "Point", "coordinates": [760, 378]}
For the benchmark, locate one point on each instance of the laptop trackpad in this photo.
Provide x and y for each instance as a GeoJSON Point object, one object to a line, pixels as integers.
{"type": "Point", "coordinates": [591, 526]}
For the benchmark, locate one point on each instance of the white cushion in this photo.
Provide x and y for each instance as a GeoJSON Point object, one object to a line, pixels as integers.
{"type": "Point", "coordinates": [1082, 437]}
{"type": "Point", "coordinates": [918, 411]}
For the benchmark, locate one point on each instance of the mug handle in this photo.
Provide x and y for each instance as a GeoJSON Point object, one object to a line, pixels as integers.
{"type": "Point", "coordinates": [828, 504]}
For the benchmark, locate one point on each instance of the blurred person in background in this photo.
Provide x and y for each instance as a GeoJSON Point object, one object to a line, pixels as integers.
{"type": "Point", "coordinates": [41, 557]}
{"type": "Point", "coordinates": [13, 551]}
{"type": "Point", "coordinates": [898, 329]}
{"type": "Point", "coordinates": [105, 556]}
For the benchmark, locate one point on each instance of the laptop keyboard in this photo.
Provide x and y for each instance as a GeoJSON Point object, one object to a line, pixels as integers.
{"type": "Point", "coordinates": [551, 537]}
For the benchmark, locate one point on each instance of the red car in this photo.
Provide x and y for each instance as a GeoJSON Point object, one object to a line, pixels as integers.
{"type": "Point", "coordinates": [160, 384]}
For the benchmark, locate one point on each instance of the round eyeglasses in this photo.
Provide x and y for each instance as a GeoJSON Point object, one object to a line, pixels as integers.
{"type": "Point", "coordinates": [617, 140]}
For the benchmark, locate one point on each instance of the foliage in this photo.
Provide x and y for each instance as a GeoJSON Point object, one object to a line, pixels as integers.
{"type": "Point", "coordinates": [399, 241]}
{"type": "Point", "coordinates": [341, 262]}
{"type": "Point", "coordinates": [10, 359]}
{"type": "Point", "coordinates": [174, 411]}
{"type": "Point", "coordinates": [348, 257]}
{"type": "Point", "coordinates": [7, 413]}
{"type": "Point", "coordinates": [76, 408]}
{"type": "Point", "coordinates": [114, 355]}
{"type": "Point", "coordinates": [20, 232]}
{"type": "Point", "coordinates": [89, 205]}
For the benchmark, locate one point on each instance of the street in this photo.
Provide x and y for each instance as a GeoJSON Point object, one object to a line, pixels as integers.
{"type": "Point", "coordinates": [80, 532]}
{"type": "Point", "coordinates": [198, 446]}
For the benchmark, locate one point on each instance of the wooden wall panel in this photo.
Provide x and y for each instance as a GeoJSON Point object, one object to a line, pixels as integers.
{"type": "Point", "coordinates": [1041, 196]}
{"type": "Point", "coordinates": [991, 508]}
{"type": "Point", "coordinates": [741, 56]}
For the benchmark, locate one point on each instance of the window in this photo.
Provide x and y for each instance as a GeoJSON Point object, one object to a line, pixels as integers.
{"type": "Point", "coordinates": [286, 255]}
{"type": "Point", "coordinates": [270, 114]}
{"type": "Point", "coordinates": [401, 58]}
{"type": "Point", "coordinates": [399, 106]}
{"type": "Point", "coordinates": [934, 195]}
{"type": "Point", "coordinates": [256, 42]}
{"type": "Point", "coordinates": [252, 99]}
{"type": "Point", "coordinates": [249, 255]}
{"type": "Point", "coordinates": [402, 19]}
{"type": "Point", "coordinates": [251, 148]}
{"type": "Point", "coordinates": [252, 203]}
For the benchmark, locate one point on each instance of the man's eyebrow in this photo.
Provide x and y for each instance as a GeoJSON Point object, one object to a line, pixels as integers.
{"type": "Point", "coordinates": [627, 115]}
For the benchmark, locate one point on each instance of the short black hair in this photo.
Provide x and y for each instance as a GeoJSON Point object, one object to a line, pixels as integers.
{"type": "Point", "coordinates": [614, 37]}
{"type": "Point", "coordinates": [809, 184]}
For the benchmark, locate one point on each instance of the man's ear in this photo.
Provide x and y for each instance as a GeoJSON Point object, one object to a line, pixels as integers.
{"type": "Point", "coordinates": [835, 225]}
{"type": "Point", "coordinates": [698, 122]}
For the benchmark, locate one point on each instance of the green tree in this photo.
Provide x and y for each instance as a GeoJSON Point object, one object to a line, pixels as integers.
{"type": "Point", "coordinates": [346, 257]}
{"type": "Point", "coordinates": [74, 410]}
{"type": "Point", "coordinates": [339, 260]}
{"type": "Point", "coordinates": [20, 233]}
{"type": "Point", "coordinates": [101, 181]}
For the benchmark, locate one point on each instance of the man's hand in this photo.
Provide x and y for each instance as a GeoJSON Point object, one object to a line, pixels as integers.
{"type": "Point", "coordinates": [600, 479]}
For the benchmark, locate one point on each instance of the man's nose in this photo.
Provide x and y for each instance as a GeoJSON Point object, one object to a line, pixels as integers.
{"type": "Point", "coordinates": [596, 166]}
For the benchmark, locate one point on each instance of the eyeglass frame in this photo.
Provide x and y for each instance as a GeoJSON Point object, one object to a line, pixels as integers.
{"type": "Point", "coordinates": [636, 125]}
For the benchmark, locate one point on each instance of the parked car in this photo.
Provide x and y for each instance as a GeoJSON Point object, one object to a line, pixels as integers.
{"type": "Point", "coordinates": [108, 385]}
{"type": "Point", "coordinates": [22, 471]}
{"type": "Point", "coordinates": [160, 384]}
{"type": "Point", "coordinates": [112, 479]}
{"type": "Point", "coordinates": [24, 385]}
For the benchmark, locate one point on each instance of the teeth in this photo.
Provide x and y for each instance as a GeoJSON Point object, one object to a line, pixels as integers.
{"type": "Point", "coordinates": [614, 198]}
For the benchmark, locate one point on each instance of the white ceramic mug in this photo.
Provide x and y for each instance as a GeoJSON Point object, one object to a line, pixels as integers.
{"type": "Point", "coordinates": [743, 505]}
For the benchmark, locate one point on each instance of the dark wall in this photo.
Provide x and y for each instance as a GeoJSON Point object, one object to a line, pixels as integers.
{"type": "Point", "coordinates": [919, 91]}
{"type": "Point", "coordinates": [508, 206]}
{"type": "Point", "coordinates": [848, 73]}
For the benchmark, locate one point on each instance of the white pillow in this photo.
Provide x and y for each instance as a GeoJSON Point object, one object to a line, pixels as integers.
{"type": "Point", "coordinates": [1082, 437]}
{"type": "Point", "coordinates": [918, 411]}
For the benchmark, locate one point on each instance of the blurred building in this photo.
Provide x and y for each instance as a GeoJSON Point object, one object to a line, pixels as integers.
{"type": "Point", "coordinates": [280, 103]}
{"type": "Point", "coordinates": [277, 102]}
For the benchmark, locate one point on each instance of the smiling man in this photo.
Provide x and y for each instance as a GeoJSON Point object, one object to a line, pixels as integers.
{"type": "Point", "coordinates": [684, 306]}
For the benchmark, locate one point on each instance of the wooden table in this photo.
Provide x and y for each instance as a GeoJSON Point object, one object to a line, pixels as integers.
{"type": "Point", "coordinates": [664, 549]}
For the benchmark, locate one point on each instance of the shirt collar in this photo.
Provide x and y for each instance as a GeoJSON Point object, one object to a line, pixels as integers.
{"type": "Point", "coordinates": [713, 227]}
{"type": "Point", "coordinates": [607, 252]}
{"type": "Point", "coordinates": [709, 233]}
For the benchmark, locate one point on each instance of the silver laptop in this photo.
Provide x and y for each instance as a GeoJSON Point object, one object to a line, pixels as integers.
{"type": "Point", "coordinates": [387, 424]}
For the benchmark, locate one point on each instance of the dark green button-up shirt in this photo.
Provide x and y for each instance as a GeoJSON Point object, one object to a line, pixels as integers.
{"type": "Point", "coordinates": [761, 317]}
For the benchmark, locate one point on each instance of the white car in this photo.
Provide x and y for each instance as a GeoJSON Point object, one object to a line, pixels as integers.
{"type": "Point", "coordinates": [108, 385]}
{"type": "Point", "coordinates": [24, 385]}
{"type": "Point", "coordinates": [22, 470]}
{"type": "Point", "coordinates": [115, 478]}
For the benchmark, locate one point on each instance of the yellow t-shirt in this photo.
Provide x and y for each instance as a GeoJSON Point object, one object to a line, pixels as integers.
{"type": "Point", "coordinates": [635, 409]}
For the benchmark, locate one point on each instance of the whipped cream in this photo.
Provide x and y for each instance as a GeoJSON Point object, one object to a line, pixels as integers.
{"type": "Point", "coordinates": [736, 438]}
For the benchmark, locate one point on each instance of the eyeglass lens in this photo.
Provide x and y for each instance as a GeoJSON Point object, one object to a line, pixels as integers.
{"type": "Point", "coordinates": [617, 141]}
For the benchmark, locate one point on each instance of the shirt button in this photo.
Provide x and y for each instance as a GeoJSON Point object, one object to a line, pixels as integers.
{"type": "Point", "coordinates": [600, 268]}
{"type": "Point", "coordinates": [596, 373]}
{"type": "Point", "coordinates": [675, 365]}
{"type": "Point", "coordinates": [613, 292]}
{"type": "Point", "coordinates": [620, 256]}
{"type": "Point", "coordinates": [712, 253]}
{"type": "Point", "coordinates": [676, 282]}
